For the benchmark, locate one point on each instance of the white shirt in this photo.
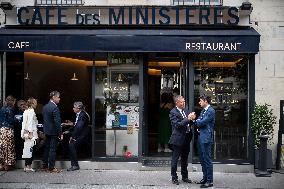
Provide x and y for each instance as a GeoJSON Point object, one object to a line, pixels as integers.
{"type": "Point", "coordinates": [77, 116]}
{"type": "Point", "coordinates": [184, 116]}
{"type": "Point", "coordinates": [182, 112]}
{"type": "Point", "coordinates": [53, 102]}
{"type": "Point", "coordinates": [205, 109]}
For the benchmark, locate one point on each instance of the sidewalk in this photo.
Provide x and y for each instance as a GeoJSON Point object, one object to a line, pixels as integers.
{"type": "Point", "coordinates": [123, 179]}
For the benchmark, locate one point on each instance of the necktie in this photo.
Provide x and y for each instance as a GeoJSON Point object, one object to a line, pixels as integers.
{"type": "Point", "coordinates": [184, 116]}
{"type": "Point", "coordinates": [202, 113]}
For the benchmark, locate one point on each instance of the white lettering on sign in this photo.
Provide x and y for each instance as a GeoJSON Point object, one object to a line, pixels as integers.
{"type": "Point", "coordinates": [212, 46]}
{"type": "Point", "coordinates": [18, 44]}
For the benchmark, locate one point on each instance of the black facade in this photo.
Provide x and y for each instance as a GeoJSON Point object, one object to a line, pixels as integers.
{"type": "Point", "coordinates": [205, 57]}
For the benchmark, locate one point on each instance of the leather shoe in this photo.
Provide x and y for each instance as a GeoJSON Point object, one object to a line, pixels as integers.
{"type": "Point", "coordinates": [202, 181]}
{"type": "Point", "coordinates": [207, 185]}
{"type": "Point", "coordinates": [44, 168]}
{"type": "Point", "coordinates": [175, 182]}
{"type": "Point", "coordinates": [8, 167]}
{"type": "Point", "coordinates": [73, 168]}
{"type": "Point", "coordinates": [54, 170]}
{"type": "Point", "coordinates": [187, 180]}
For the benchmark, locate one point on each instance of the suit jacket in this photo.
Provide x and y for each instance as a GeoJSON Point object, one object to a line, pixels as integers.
{"type": "Point", "coordinates": [179, 127]}
{"type": "Point", "coordinates": [205, 124]}
{"type": "Point", "coordinates": [80, 130]}
{"type": "Point", "coordinates": [51, 119]}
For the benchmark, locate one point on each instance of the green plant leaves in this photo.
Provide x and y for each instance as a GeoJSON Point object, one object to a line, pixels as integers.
{"type": "Point", "coordinates": [263, 122]}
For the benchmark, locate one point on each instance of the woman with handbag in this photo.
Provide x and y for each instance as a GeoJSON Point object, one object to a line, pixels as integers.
{"type": "Point", "coordinates": [29, 133]}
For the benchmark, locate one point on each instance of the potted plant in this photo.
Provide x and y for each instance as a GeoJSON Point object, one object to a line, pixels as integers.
{"type": "Point", "coordinates": [263, 122]}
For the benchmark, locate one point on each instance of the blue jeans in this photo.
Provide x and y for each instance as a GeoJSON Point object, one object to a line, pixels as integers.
{"type": "Point", "coordinates": [50, 151]}
{"type": "Point", "coordinates": [204, 150]}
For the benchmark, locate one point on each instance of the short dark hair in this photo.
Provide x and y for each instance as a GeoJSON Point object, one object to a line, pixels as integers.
{"type": "Point", "coordinates": [54, 93]}
{"type": "Point", "coordinates": [205, 98]}
{"type": "Point", "coordinates": [10, 101]}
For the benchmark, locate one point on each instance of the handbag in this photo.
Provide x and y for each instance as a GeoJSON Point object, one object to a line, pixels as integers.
{"type": "Point", "coordinates": [28, 134]}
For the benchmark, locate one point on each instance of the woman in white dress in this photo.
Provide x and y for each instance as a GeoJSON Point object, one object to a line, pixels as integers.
{"type": "Point", "coordinates": [29, 133]}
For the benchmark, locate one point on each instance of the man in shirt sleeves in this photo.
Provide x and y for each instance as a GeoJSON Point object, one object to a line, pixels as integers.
{"type": "Point", "coordinates": [180, 139]}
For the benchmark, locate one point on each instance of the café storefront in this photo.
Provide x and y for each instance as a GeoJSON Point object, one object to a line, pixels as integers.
{"type": "Point", "coordinates": [120, 70]}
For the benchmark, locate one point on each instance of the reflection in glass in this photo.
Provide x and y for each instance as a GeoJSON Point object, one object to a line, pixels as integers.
{"type": "Point", "coordinates": [224, 79]}
{"type": "Point", "coordinates": [117, 108]}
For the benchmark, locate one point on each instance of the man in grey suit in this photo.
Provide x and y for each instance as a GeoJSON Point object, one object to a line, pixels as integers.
{"type": "Point", "coordinates": [205, 124]}
{"type": "Point", "coordinates": [180, 139]}
{"type": "Point", "coordinates": [52, 130]}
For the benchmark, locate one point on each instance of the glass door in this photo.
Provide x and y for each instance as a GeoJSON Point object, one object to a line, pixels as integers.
{"type": "Point", "coordinates": [164, 80]}
{"type": "Point", "coordinates": [224, 79]}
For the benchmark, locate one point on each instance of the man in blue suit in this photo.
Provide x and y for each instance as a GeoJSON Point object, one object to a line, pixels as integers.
{"type": "Point", "coordinates": [205, 124]}
{"type": "Point", "coordinates": [180, 139]}
{"type": "Point", "coordinates": [52, 130]}
{"type": "Point", "coordinates": [79, 133]}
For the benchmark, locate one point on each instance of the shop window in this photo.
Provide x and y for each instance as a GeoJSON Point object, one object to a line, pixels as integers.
{"type": "Point", "coordinates": [224, 79]}
{"type": "Point", "coordinates": [68, 73]}
{"type": "Point", "coordinates": [117, 108]}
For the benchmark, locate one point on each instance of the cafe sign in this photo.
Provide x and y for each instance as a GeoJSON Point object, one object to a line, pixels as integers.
{"type": "Point", "coordinates": [176, 15]}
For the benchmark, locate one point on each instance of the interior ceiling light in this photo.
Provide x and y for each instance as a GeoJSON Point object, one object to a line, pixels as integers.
{"type": "Point", "coordinates": [164, 64]}
{"type": "Point", "coordinates": [215, 64]}
{"type": "Point", "coordinates": [156, 72]}
{"type": "Point", "coordinates": [27, 76]}
{"type": "Point", "coordinates": [74, 78]}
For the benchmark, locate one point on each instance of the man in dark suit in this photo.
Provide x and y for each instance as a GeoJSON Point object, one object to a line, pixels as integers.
{"type": "Point", "coordinates": [180, 139]}
{"type": "Point", "coordinates": [79, 133]}
{"type": "Point", "coordinates": [205, 124]}
{"type": "Point", "coordinates": [52, 130]}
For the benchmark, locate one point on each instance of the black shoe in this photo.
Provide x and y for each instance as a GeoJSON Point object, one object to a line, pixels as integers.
{"type": "Point", "coordinates": [54, 170]}
{"type": "Point", "coordinates": [187, 180]}
{"type": "Point", "coordinates": [44, 167]}
{"type": "Point", "coordinates": [175, 182]}
{"type": "Point", "coordinates": [73, 168]}
{"type": "Point", "coordinates": [202, 181]}
{"type": "Point", "coordinates": [207, 185]}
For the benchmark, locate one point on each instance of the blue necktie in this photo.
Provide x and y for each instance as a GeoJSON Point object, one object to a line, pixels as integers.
{"type": "Point", "coordinates": [202, 113]}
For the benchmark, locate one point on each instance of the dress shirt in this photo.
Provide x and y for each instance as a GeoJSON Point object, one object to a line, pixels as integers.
{"type": "Point", "coordinates": [204, 110]}
{"type": "Point", "coordinates": [77, 116]}
{"type": "Point", "coordinates": [53, 102]}
{"type": "Point", "coordinates": [184, 116]}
